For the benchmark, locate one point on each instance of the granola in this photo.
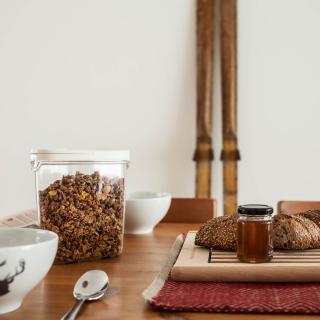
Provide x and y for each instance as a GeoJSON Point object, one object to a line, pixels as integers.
{"type": "Point", "coordinates": [86, 211]}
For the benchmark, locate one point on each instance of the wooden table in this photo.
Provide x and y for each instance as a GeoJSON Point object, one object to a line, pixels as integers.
{"type": "Point", "coordinates": [129, 275]}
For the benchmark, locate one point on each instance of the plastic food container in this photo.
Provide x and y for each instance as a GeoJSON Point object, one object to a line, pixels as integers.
{"type": "Point", "coordinates": [81, 196]}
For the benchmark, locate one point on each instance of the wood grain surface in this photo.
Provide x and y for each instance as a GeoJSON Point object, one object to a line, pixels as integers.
{"type": "Point", "coordinates": [191, 210]}
{"type": "Point", "coordinates": [230, 153]}
{"type": "Point", "coordinates": [286, 266]}
{"type": "Point", "coordinates": [204, 154]}
{"type": "Point", "coordinates": [294, 206]}
{"type": "Point", "coordinates": [129, 275]}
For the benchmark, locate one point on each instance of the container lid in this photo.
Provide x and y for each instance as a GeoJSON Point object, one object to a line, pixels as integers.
{"type": "Point", "coordinates": [255, 209]}
{"type": "Point", "coordinates": [79, 155]}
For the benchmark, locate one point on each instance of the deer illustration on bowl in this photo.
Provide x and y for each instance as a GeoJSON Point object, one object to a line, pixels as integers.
{"type": "Point", "coordinates": [4, 284]}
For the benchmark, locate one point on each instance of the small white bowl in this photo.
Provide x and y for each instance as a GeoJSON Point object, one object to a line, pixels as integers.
{"type": "Point", "coordinates": [144, 210]}
{"type": "Point", "coordinates": [26, 256]}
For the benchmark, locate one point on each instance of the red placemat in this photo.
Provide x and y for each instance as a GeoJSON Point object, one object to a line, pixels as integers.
{"type": "Point", "coordinates": [166, 294]}
{"type": "Point", "coordinates": [239, 297]}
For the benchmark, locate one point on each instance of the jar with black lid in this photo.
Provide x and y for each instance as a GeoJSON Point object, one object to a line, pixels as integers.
{"type": "Point", "coordinates": [254, 241]}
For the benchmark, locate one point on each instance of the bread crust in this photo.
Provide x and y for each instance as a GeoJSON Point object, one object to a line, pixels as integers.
{"type": "Point", "coordinates": [289, 233]}
{"type": "Point", "coordinates": [313, 215]}
{"type": "Point", "coordinates": [313, 230]}
{"type": "Point", "coordinates": [218, 233]}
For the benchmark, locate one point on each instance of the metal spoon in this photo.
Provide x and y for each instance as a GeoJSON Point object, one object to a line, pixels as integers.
{"type": "Point", "coordinates": [92, 285]}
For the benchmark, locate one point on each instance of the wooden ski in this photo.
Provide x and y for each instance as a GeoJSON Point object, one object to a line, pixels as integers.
{"type": "Point", "coordinates": [204, 154]}
{"type": "Point", "coordinates": [230, 153]}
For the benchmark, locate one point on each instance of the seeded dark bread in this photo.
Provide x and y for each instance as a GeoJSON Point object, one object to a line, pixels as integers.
{"type": "Point", "coordinates": [313, 215]}
{"type": "Point", "coordinates": [218, 233]}
{"type": "Point", "coordinates": [295, 232]}
{"type": "Point", "coordinates": [289, 232]}
{"type": "Point", "coordinates": [313, 230]}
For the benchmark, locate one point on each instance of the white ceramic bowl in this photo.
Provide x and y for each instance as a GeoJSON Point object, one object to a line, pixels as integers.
{"type": "Point", "coordinates": [144, 210]}
{"type": "Point", "coordinates": [26, 256]}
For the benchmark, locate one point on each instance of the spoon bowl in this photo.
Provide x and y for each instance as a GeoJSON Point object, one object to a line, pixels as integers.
{"type": "Point", "coordinates": [92, 285]}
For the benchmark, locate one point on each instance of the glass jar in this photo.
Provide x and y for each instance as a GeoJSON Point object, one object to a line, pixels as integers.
{"type": "Point", "coordinates": [81, 197]}
{"type": "Point", "coordinates": [254, 242]}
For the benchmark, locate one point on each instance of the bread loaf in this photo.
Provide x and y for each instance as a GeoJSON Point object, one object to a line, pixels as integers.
{"type": "Point", "coordinates": [295, 232]}
{"type": "Point", "coordinates": [313, 215]}
{"type": "Point", "coordinates": [218, 233]}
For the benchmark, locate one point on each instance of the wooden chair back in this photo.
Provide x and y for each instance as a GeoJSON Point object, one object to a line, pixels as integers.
{"type": "Point", "coordinates": [291, 207]}
{"type": "Point", "coordinates": [191, 210]}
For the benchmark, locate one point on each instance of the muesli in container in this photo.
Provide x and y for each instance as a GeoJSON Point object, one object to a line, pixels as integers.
{"type": "Point", "coordinates": [81, 196]}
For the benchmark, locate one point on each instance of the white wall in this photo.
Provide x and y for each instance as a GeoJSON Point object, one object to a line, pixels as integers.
{"type": "Point", "coordinates": [279, 100]}
{"type": "Point", "coordinates": [121, 74]}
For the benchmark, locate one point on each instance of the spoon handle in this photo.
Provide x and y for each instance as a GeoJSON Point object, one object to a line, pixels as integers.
{"type": "Point", "coordinates": [72, 313]}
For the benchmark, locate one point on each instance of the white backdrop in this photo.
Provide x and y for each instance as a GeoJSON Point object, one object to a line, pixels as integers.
{"type": "Point", "coordinates": [121, 75]}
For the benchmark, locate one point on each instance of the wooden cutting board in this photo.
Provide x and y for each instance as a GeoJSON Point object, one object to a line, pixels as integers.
{"type": "Point", "coordinates": [199, 264]}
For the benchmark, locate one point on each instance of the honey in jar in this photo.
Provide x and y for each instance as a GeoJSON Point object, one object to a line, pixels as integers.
{"type": "Point", "coordinates": [254, 241]}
